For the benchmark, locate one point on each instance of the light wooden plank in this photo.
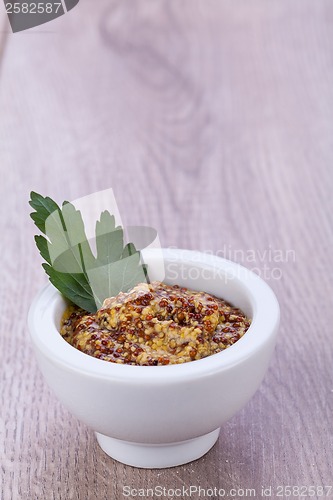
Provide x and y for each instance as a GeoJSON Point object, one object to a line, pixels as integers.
{"type": "Point", "coordinates": [212, 121]}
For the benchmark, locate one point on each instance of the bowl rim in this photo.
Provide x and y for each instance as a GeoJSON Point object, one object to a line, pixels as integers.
{"type": "Point", "coordinates": [49, 343]}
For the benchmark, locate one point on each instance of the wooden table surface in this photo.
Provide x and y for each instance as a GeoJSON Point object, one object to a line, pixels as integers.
{"type": "Point", "coordinates": [212, 121]}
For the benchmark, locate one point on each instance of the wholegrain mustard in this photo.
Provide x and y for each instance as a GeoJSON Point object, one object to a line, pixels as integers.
{"type": "Point", "coordinates": [155, 324]}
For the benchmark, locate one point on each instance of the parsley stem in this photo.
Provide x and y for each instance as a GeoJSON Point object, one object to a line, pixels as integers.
{"type": "Point", "coordinates": [82, 261]}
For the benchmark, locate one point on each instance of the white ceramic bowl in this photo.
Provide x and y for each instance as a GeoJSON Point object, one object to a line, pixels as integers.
{"type": "Point", "coordinates": [162, 416]}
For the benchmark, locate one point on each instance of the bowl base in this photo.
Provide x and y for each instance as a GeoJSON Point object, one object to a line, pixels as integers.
{"type": "Point", "coordinates": [157, 456]}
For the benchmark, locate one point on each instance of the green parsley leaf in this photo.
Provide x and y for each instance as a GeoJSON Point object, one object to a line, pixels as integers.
{"type": "Point", "coordinates": [73, 286]}
{"type": "Point", "coordinates": [109, 280]}
{"type": "Point", "coordinates": [109, 239]}
{"type": "Point", "coordinates": [72, 267]}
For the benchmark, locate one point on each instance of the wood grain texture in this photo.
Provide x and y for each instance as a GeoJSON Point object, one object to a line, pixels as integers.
{"type": "Point", "coordinates": [213, 119]}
